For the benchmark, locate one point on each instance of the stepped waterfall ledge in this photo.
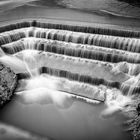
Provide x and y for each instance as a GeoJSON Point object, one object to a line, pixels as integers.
{"type": "Point", "coordinates": [55, 63]}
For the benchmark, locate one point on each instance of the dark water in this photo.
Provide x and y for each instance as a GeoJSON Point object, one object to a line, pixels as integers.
{"type": "Point", "coordinates": [81, 121]}
{"type": "Point", "coordinates": [103, 7]}
{"type": "Point", "coordinates": [91, 11]}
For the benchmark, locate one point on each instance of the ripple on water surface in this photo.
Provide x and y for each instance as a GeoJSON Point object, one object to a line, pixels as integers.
{"type": "Point", "coordinates": [78, 121]}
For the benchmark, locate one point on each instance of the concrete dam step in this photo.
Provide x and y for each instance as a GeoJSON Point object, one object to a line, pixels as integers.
{"type": "Point", "coordinates": [72, 49]}
{"type": "Point", "coordinates": [108, 41]}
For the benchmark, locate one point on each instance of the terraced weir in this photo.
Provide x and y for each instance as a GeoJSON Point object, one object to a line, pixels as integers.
{"type": "Point", "coordinates": [90, 63]}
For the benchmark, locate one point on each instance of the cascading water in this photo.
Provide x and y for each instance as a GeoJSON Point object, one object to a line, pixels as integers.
{"type": "Point", "coordinates": [82, 54]}
{"type": "Point", "coordinates": [56, 63]}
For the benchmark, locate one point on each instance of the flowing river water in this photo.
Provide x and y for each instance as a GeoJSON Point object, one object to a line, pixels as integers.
{"type": "Point", "coordinates": [50, 100]}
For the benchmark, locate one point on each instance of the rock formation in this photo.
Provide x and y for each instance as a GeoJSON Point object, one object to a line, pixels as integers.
{"type": "Point", "coordinates": [8, 82]}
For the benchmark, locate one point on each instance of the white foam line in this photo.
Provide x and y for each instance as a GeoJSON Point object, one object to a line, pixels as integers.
{"type": "Point", "coordinates": [115, 14]}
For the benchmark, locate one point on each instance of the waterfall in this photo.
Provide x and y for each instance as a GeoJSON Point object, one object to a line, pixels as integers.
{"type": "Point", "coordinates": [77, 28]}
{"type": "Point", "coordinates": [72, 49]}
{"type": "Point", "coordinates": [86, 62]}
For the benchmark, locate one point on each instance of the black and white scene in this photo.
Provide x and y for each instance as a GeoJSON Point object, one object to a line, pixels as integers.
{"type": "Point", "coordinates": [69, 69]}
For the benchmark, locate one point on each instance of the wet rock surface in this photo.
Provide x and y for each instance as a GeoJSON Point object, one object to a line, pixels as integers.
{"type": "Point", "coordinates": [8, 82]}
{"type": "Point", "coordinates": [133, 123]}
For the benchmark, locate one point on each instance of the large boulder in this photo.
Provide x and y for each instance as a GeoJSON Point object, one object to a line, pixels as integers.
{"type": "Point", "coordinates": [8, 82]}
